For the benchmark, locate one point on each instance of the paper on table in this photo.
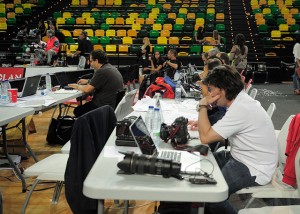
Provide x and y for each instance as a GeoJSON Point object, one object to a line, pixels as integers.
{"type": "Point", "coordinates": [113, 151]}
{"type": "Point", "coordinates": [167, 105]}
{"type": "Point", "coordinates": [172, 115]}
{"type": "Point", "coordinates": [143, 104]}
{"type": "Point", "coordinates": [190, 104]}
{"type": "Point", "coordinates": [63, 91]}
{"type": "Point", "coordinates": [35, 101]}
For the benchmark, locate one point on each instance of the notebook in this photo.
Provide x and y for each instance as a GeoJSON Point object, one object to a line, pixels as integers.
{"type": "Point", "coordinates": [30, 86]}
{"type": "Point", "coordinates": [190, 162]}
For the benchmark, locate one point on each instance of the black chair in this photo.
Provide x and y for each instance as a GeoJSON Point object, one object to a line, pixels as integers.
{"type": "Point", "coordinates": [120, 95]}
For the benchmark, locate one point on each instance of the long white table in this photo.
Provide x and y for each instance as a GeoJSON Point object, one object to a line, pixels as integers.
{"type": "Point", "coordinates": [43, 70]}
{"type": "Point", "coordinates": [7, 115]}
{"type": "Point", "coordinates": [103, 182]}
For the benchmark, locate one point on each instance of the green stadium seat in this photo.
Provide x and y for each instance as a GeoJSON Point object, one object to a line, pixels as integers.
{"type": "Point", "coordinates": [104, 15]}
{"type": "Point", "coordinates": [11, 21]}
{"type": "Point", "coordinates": [147, 27]}
{"type": "Point", "coordinates": [195, 49]}
{"type": "Point", "coordinates": [116, 40]}
{"type": "Point", "coordinates": [154, 33]}
{"type": "Point", "coordinates": [94, 40]}
{"type": "Point", "coordinates": [159, 48]}
{"type": "Point", "coordinates": [143, 33]}
{"type": "Point", "coordinates": [143, 15]}
{"type": "Point", "coordinates": [188, 27]}
{"type": "Point", "coordinates": [294, 28]}
{"type": "Point", "coordinates": [134, 49]}
{"type": "Point", "coordinates": [256, 11]}
{"type": "Point", "coordinates": [57, 15]}
{"type": "Point", "coordinates": [69, 40]}
{"type": "Point", "coordinates": [263, 30]}
{"type": "Point", "coordinates": [220, 27]}
{"type": "Point", "coordinates": [104, 26]}
{"type": "Point", "coordinates": [280, 21]}
{"type": "Point", "coordinates": [70, 21]}
{"type": "Point", "coordinates": [177, 27]}
{"type": "Point", "coordinates": [159, 21]}
{"type": "Point", "coordinates": [104, 40]}
{"type": "Point", "coordinates": [114, 15]}
{"type": "Point", "coordinates": [96, 15]}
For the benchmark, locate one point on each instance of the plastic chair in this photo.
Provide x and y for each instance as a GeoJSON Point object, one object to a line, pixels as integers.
{"type": "Point", "coordinates": [253, 93]}
{"type": "Point", "coordinates": [271, 109]}
{"type": "Point", "coordinates": [124, 106]}
{"type": "Point", "coordinates": [51, 168]}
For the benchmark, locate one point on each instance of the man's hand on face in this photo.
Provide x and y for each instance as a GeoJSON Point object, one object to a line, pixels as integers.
{"type": "Point", "coordinates": [209, 100]}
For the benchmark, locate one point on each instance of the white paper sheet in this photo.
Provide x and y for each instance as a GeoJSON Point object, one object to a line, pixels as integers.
{"type": "Point", "coordinates": [113, 151]}
{"type": "Point", "coordinates": [143, 104]}
{"type": "Point", "coordinates": [63, 91]}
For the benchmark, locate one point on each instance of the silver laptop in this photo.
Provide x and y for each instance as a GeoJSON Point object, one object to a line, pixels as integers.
{"type": "Point", "coordinates": [190, 162]}
{"type": "Point", "coordinates": [30, 86]}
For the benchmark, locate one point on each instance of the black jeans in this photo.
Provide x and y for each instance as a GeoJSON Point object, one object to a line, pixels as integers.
{"type": "Point", "coordinates": [82, 109]}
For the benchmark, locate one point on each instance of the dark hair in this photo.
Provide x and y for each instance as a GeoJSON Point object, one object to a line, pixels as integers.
{"type": "Point", "coordinates": [84, 33]}
{"type": "Point", "coordinates": [240, 41]}
{"type": "Point", "coordinates": [224, 56]}
{"type": "Point", "coordinates": [297, 37]}
{"type": "Point", "coordinates": [173, 51]}
{"type": "Point", "coordinates": [213, 62]}
{"type": "Point", "coordinates": [100, 56]}
{"type": "Point", "coordinates": [200, 31]}
{"type": "Point", "coordinates": [227, 78]}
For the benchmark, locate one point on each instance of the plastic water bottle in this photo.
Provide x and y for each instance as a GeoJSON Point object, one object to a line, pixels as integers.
{"type": "Point", "coordinates": [178, 92]}
{"type": "Point", "coordinates": [32, 60]}
{"type": "Point", "coordinates": [149, 117]}
{"type": "Point", "coordinates": [156, 123]}
{"type": "Point", "coordinates": [48, 82]}
{"type": "Point", "coordinates": [4, 92]}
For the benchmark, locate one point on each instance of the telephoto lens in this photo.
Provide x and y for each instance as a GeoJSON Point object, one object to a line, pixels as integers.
{"type": "Point", "coordinates": [147, 164]}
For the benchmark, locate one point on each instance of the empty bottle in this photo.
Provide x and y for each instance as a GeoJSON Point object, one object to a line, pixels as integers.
{"type": "Point", "coordinates": [48, 82]}
{"type": "Point", "coordinates": [4, 92]}
{"type": "Point", "coordinates": [156, 123]}
{"type": "Point", "coordinates": [178, 92]}
{"type": "Point", "coordinates": [149, 117]}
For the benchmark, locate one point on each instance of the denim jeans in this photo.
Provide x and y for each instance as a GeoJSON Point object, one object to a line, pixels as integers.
{"type": "Point", "coordinates": [237, 176]}
{"type": "Point", "coordinates": [296, 81]}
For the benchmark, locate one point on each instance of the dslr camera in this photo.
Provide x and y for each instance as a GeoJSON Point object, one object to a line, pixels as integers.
{"type": "Point", "coordinates": [177, 132]}
{"type": "Point", "coordinates": [124, 137]}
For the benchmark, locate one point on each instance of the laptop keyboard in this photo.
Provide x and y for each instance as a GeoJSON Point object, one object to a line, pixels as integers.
{"type": "Point", "coordinates": [175, 156]}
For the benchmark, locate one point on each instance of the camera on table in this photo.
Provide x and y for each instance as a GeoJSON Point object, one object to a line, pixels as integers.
{"type": "Point", "coordinates": [177, 132]}
{"type": "Point", "coordinates": [147, 164]}
{"type": "Point", "coordinates": [124, 137]}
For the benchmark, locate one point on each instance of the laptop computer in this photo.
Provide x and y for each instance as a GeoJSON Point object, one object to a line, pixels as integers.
{"type": "Point", "coordinates": [17, 83]}
{"type": "Point", "coordinates": [62, 79]}
{"type": "Point", "coordinates": [190, 162]}
{"type": "Point", "coordinates": [30, 86]}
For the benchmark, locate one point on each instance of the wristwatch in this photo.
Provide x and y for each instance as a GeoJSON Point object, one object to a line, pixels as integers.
{"type": "Point", "coordinates": [198, 107]}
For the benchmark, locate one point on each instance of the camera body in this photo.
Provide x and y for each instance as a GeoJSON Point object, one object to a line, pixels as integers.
{"type": "Point", "coordinates": [177, 132]}
{"type": "Point", "coordinates": [124, 137]}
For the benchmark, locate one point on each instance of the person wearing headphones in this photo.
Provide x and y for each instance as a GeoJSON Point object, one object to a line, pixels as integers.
{"type": "Point", "coordinates": [104, 84]}
{"type": "Point", "coordinates": [52, 48]}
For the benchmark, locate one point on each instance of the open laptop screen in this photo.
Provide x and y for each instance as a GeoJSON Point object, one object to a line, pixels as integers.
{"type": "Point", "coordinates": [17, 83]}
{"type": "Point", "coordinates": [62, 78]}
{"type": "Point", "coordinates": [142, 137]}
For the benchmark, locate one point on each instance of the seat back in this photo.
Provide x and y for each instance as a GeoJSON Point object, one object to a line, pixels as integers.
{"type": "Point", "coordinates": [120, 95]}
{"type": "Point", "coordinates": [124, 106]}
{"type": "Point", "coordinates": [253, 93]}
{"type": "Point", "coordinates": [271, 109]}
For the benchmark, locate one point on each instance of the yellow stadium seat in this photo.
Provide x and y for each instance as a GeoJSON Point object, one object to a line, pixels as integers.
{"type": "Point", "coordinates": [73, 48]}
{"type": "Point", "coordinates": [2, 5]}
{"type": "Point", "coordinates": [121, 33]}
{"type": "Point", "coordinates": [210, 10]}
{"type": "Point", "coordinates": [191, 16]}
{"type": "Point", "coordinates": [109, 2]}
{"type": "Point", "coordinates": [123, 48]}
{"type": "Point", "coordinates": [18, 10]}
{"type": "Point", "coordinates": [262, 2]}
{"type": "Point", "coordinates": [11, 15]}
{"type": "Point", "coordinates": [133, 15]}
{"type": "Point", "coordinates": [200, 21]}
{"type": "Point", "coordinates": [99, 33]}
{"type": "Point", "coordinates": [110, 33]}
{"type": "Point", "coordinates": [86, 15]}
{"type": "Point", "coordinates": [168, 27]}
{"type": "Point", "coordinates": [127, 40]}
{"type": "Point", "coordinates": [157, 27]}
{"type": "Point", "coordinates": [183, 10]}
{"type": "Point", "coordinates": [194, 5]}
{"type": "Point", "coordinates": [294, 10]}
{"type": "Point", "coordinates": [285, 10]}
{"type": "Point", "coordinates": [151, 2]}
{"type": "Point", "coordinates": [165, 33]}
{"type": "Point", "coordinates": [84, 2]}
{"type": "Point", "coordinates": [260, 21]}
{"type": "Point", "coordinates": [76, 32]}
{"type": "Point", "coordinates": [155, 10]}
{"type": "Point", "coordinates": [17, 1]}
{"type": "Point", "coordinates": [185, 5]}
{"type": "Point", "coordinates": [140, 21]}
{"type": "Point", "coordinates": [26, 5]}
{"type": "Point", "coordinates": [132, 33]}
{"type": "Point", "coordinates": [45, 38]}
{"type": "Point", "coordinates": [271, 2]}
{"type": "Point", "coordinates": [207, 48]}
{"type": "Point", "coordinates": [210, 39]}
{"type": "Point", "coordinates": [67, 15]}
{"type": "Point", "coordinates": [291, 21]}
{"type": "Point", "coordinates": [283, 28]}
{"type": "Point", "coordinates": [98, 47]}
{"type": "Point", "coordinates": [179, 21]}
{"type": "Point", "coordinates": [254, 2]}
{"type": "Point", "coordinates": [110, 21]}
{"type": "Point", "coordinates": [152, 15]}
{"type": "Point", "coordinates": [101, 2]}
{"type": "Point", "coordinates": [162, 40]}
{"type": "Point", "coordinates": [2, 20]}
{"type": "Point", "coordinates": [66, 33]}
{"type": "Point", "coordinates": [174, 40]}
{"type": "Point", "coordinates": [287, 16]}
{"type": "Point", "coordinates": [75, 2]}
{"type": "Point", "coordinates": [172, 15]}
{"type": "Point", "coordinates": [167, 6]}
{"type": "Point", "coordinates": [136, 27]}
{"type": "Point", "coordinates": [90, 21]}
{"type": "Point", "coordinates": [9, 6]}
{"type": "Point", "coordinates": [259, 16]}
{"type": "Point", "coordinates": [118, 2]}
{"type": "Point", "coordinates": [289, 2]}
{"type": "Point", "coordinates": [275, 34]}
{"type": "Point", "coordinates": [120, 21]}
{"type": "Point", "coordinates": [220, 17]}
{"type": "Point", "coordinates": [90, 32]}
{"type": "Point", "coordinates": [3, 26]}
{"type": "Point", "coordinates": [80, 21]}
{"type": "Point", "coordinates": [129, 21]}
{"type": "Point", "coordinates": [149, 21]}
{"type": "Point", "coordinates": [111, 48]}
{"type": "Point", "coordinates": [95, 9]}
{"type": "Point", "coordinates": [60, 21]}
{"type": "Point", "coordinates": [266, 11]}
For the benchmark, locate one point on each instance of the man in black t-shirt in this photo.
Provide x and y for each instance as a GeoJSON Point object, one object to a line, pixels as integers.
{"type": "Point", "coordinates": [172, 64]}
{"type": "Point", "coordinates": [105, 84]}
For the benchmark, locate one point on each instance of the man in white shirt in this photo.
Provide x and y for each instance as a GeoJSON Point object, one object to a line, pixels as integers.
{"type": "Point", "coordinates": [253, 156]}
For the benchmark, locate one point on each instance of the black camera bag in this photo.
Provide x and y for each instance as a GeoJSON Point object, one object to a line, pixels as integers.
{"type": "Point", "coordinates": [60, 130]}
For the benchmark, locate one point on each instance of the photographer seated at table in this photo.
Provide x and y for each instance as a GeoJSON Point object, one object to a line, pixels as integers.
{"type": "Point", "coordinates": [104, 84]}
{"type": "Point", "coordinates": [250, 131]}
{"type": "Point", "coordinates": [171, 65]}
